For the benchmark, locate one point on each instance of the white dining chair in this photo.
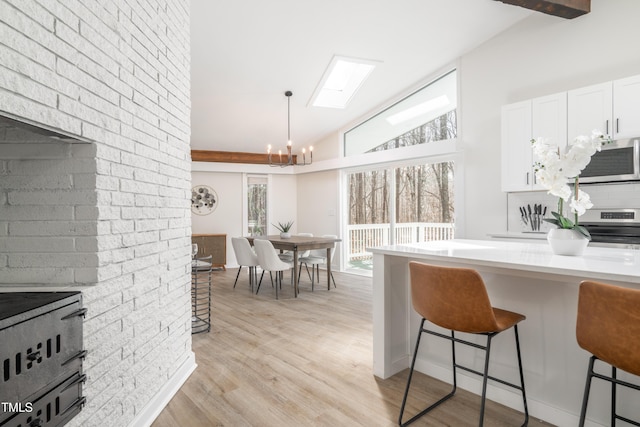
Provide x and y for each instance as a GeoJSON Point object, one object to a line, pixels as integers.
{"type": "Point", "coordinates": [316, 258]}
{"type": "Point", "coordinates": [246, 257]}
{"type": "Point", "coordinates": [269, 261]}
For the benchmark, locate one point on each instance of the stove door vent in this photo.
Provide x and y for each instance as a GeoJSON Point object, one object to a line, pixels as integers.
{"type": "Point", "coordinates": [40, 358]}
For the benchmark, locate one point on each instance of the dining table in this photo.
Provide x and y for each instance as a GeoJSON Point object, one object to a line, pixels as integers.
{"type": "Point", "coordinates": [298, 244]}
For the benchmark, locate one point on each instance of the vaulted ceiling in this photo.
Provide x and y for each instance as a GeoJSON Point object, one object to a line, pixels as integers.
{"type": "Point", "coordinates": [247, 53]}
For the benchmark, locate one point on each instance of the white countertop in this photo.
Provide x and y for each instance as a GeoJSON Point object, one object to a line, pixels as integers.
{"type": "Point", "coordinates": [597, 263]}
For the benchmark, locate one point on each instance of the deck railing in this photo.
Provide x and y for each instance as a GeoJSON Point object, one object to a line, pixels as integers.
{"type": "Point", "coordinates": [363, 236]}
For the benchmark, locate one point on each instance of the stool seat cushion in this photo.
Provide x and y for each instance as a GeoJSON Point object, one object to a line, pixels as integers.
{"type": "Point", "coordinates": [506, 319]}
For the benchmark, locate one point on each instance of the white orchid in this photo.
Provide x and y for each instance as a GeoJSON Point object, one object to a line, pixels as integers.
{"type": "Point", "coordinates": [554, 170]}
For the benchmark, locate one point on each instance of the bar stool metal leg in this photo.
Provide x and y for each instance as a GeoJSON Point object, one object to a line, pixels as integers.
{"type": "Point", "coordinates": [406, 391]}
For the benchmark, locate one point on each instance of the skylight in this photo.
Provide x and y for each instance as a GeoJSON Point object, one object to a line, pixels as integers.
{"type": "Point", "coordinates": [341, 81]}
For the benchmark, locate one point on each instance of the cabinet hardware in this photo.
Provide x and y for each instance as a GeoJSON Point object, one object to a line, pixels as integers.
{"type": "Point", "coordinates": [606, 126]}
{"type": "Point", "coordinates": [527, 178]}
{"type": "Point", "coordinates": [617, 125]}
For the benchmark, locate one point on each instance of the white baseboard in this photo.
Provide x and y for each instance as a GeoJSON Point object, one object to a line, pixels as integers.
{"type": "Point", "coordinates": [150, 412]}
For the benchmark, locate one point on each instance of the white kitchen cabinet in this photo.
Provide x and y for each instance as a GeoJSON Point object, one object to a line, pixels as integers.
{"type": "Point", "coordinates": [611, 107]}
{"type": "Point", "coordinates": [626, 108]}
{"type": "Point", "coordinates": [590, 108]}
{"type": "Point", "coordinates": [540, 117]}
{"type": "Point", "coordinates": [549, 118]}
{"type": "Point", "coordinates": [516, 147]}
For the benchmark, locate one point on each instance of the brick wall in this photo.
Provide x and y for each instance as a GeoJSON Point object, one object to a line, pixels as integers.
{"type": "Point", "coordinates": [110, 216]}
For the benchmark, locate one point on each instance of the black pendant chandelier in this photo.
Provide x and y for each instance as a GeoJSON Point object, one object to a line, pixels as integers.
{"type": "Point", "coordinates": [289, 159]}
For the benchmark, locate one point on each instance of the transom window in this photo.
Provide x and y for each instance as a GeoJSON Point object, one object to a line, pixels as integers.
{"type": "Point", "coordinates": [426, 115]}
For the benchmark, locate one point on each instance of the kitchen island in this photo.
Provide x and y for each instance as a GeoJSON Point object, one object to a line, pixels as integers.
{"type": "Point", "coordinates": [521, 277]}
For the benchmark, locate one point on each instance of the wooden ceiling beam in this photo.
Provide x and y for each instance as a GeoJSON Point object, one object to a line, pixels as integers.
{"type": "Point", "coordinates": [236, 157]}
{"type": "Point", "coordinates": [568, 9]}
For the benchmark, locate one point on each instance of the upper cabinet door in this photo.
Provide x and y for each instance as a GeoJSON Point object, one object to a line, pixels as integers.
{"type": "Point", "coordinates": [626, 108]}
{"type": "Point", "coordinates": [589, 109]}
{"type": "Point", "coordinates": [550, 118]}
{"type": "Point", "coordinates": [516, 147]}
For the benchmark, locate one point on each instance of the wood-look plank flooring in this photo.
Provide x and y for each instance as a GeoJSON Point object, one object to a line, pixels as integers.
{"type": "Point", "coordinates": [304, 361]}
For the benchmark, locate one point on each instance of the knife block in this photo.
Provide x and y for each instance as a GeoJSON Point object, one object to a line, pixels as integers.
{"type": "Point", "coordinates": [543, 228]}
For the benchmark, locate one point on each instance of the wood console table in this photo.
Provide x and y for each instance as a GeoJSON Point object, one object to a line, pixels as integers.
{"type": "Point", "coordinates": [214, 245]}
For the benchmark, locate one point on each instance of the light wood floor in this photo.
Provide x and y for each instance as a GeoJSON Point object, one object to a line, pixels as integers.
{"type": "Point", "coordinates": [304, 361]}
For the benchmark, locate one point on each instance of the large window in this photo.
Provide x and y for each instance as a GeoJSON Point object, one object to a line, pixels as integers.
{"type": "Point", "coordinates": [426, 115]}
{"type": "Point", "coordinates": [398, 205]}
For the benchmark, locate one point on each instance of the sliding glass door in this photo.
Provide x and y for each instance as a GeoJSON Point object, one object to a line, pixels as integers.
{"type": "Point", "coordinates": [397, 205]}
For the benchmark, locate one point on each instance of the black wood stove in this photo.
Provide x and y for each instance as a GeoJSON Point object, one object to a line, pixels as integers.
{"type": "Point", "coordinates": [41, 356]}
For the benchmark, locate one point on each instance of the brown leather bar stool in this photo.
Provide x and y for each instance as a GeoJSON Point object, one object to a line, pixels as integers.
{"type": "Point", "coordinates": [608, 327]}
{"type": "Point", "coordinates": [456, 299]}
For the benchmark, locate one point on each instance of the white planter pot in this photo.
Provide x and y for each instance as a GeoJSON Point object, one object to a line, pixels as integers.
{"type": "Point", "coordinates": [285, 235]}
{"type": "Point", "coordinates": [567, 242]}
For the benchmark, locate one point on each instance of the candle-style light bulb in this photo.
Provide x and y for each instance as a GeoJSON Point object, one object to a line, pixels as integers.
{"type": "Point", "coordinates": [304, 159]}
{"type": "Point", "coordinates": [311, 152]}
{"type": "Point", "coordinates": [269, 149]}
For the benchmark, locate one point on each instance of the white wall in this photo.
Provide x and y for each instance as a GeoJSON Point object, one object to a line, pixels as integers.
{"type": "Point", "coordinates": [318, 204]}
{"type": "Point", "coordinates": [228, 216]}
{"type": "Point", "coordinates": [538, 56]}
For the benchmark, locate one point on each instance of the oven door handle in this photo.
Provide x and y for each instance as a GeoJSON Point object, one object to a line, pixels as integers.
{"type": "Point", "coordinates": [81, 379]}
{"type": "Point", "coordinates": [79, 355]}
{"type": "Point", "coordinates": [80, 312]}
{"type": "Point", "coordinates": [79, 402]}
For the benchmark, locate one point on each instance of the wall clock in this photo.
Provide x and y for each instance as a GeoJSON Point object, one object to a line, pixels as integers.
{"type": "Point", "coordinates": [204, 200]}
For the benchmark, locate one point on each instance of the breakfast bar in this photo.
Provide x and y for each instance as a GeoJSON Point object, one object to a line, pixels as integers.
{"type": "Point", "coordinates": [523, 277]}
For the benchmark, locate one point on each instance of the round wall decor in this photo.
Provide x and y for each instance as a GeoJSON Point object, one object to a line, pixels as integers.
{"type": "Point", "coordinates": [204, 200]}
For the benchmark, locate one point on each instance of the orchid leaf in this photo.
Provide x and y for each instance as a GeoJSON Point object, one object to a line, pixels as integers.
{"type": "Point", "coordinates": [583, 231]}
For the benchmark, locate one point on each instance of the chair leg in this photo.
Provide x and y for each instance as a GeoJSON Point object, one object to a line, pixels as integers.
{"type": "Point", "coordinates": [613, 396]}
{"type": "Point", "coordinates": [251, 274]}
{"type": "Point", "coordinates": [334, 280]}
{"type": "Point", "coordinates": [524, 395]}
{"type": "Point", "coordinates": [484, 380]}
{"type": "Point", "coordinates": [587, 388]}
{"type": "Point", "coordinates": [406, 391]}
{"type": "Point", "coordinates": [260, 282]}
{"type": "Point", "coordinates": [237, 275]}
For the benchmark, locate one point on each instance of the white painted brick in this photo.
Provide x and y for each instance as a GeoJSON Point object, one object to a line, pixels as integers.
{"type": "Point", "coordinates": [34, 11]}
{"type": "Point", "coordinates": [36, 275]}
{"type": "Point", "coordinates": [53, 197]}
{"type": "Point", "coordinates": [39, 182]}
{"type": "Point", "coordinates": [85, 275]}
{"type": "Point", "coordinates": [58, 259]}
{"type": "Point", "coordinates": [122, 71]}
{"type": "Point", "coordinates": [139, 162]}
{"type": "Point", "coordinates": [53, 228]}
{"type": "Point", "coordinates": [122, 227]}
{"type": "Point", "coordinates": [21, 84]}
{"type": "Point", "coordinates": [36, 244]}
{"type": "Point", "coordinates": [29, 213]}
{"type": "Point", "coordinates": [22, 43]}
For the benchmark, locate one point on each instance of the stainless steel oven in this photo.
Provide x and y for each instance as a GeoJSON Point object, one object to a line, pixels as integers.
{"type": "Point", "coordinates": [613, 227]}
{"type": "Point", "coordinates": [617, 161]}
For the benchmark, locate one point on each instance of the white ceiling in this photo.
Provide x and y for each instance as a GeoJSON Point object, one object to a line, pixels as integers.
{"type": "Point", "coordinates": [247, 53]}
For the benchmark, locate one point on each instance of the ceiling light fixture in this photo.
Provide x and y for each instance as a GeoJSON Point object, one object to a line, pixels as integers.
{"type": "Point", "coordinates": [343, 78]}
{"type": "Point", "coordinates": [290, 160]}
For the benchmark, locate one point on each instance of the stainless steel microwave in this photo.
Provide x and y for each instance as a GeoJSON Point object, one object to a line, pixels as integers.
{"type": "Point", "coordinates": [617, 161]}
